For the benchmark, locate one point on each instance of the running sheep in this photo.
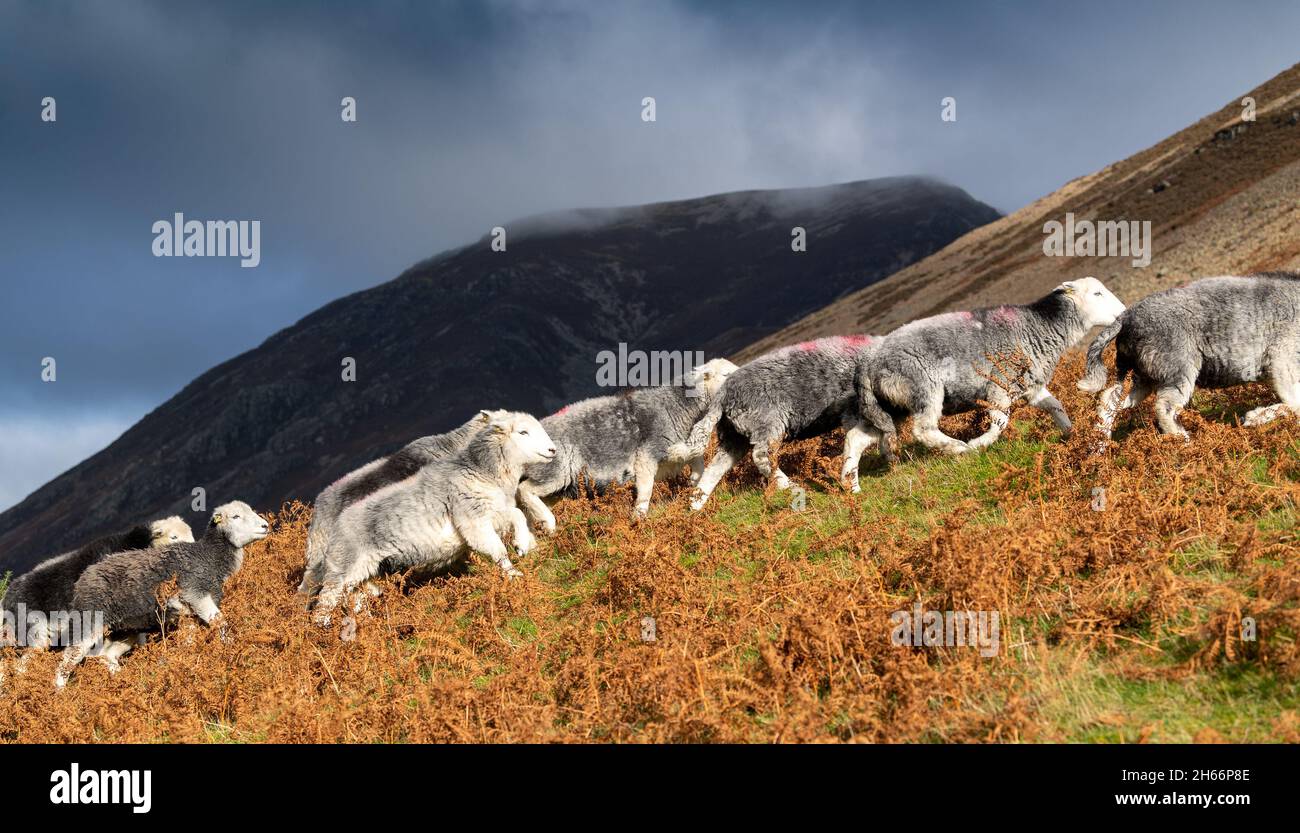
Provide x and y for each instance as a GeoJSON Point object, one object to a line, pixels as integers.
{"type": "Point", "coordinates": [432, 519]}
{"type": "Point", "coordinates": [122, 589]}
{"type": "Point", "coordinates": [960, 361]}
{"type": "Point", "coordinates": [369, 479]}
{"type": "Point", "coordinates": [1213, 333]}
{"type": "Point", "coordinates": [641, 436]}
{"type": "Point", "coordinates": [800, 391]}
{"type": "Point", "coordinates": [45, 592]}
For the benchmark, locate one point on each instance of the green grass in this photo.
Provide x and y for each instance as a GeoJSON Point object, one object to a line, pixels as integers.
{"type": "Point", "coordinates": [1097, 705]}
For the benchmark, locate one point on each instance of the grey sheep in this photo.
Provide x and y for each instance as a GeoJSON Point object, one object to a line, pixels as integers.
{"type": "Point", "coordinates": [1212, 333]}
{"type": "Point", "coordinates": [369, 479]}
{"type": "Point", "coordinates": [796, 392]}
{"type": "Point", "coordinates": [639, 437]}
{"type": "Point", "coordinates": [121, 590]}
{"type": "Point", "coordinates": [432, 519]}
{"type": "Point", "coordinates": [960, 361]}
{"type": "Point", "coordinates": [45, 591]}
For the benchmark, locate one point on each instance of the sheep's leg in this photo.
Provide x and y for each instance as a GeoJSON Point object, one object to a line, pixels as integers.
{"type": "Point", "coordinates": [1286, 381]}
{"type": "Point", "coordinates": [73, 655]}
{"type": "Point", "coordinates": [857, 439]}
{"type": "Point", "coordinates": [644, 471]}
{"type": "Point", "coordinates": [1170, 401]}
{"type": "Point", "coordinates": [114, 650]}
{"type": "Point", "coordinates": [766, 448]}
{"type": "Point", "coordinates": [925, 427]}
{"type": "Point", "coordinates": [524, 540]}
{"type": "Point", "coordinates": [1042, 399]}
{"type": "Point", "coordinates": [482, 537]}
{"type": "Point", "coordinates": [697, 468]}
{"type": "Point", "coordinates": [534, 507]}
{"type": "Point", "coordinates": [38, 642]}
{"type": "Point", "coordinates": [998, 420]}
{"type": "Point", "coordinates": [1113, 401]}
{"type": "Point", "coordinates": [726, 457]}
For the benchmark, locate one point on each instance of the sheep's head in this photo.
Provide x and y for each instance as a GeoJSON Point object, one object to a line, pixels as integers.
{"type": "Point", "coordinates": [706, 380]}
{"type": "Point", "coordinates": [169, 531]}
{"type": "Point", "coordinates": [523, 433]}
{"type": "Point", "coordinates": [239, 523]}
{"type": "Point", "coordinates": [1097, 305]}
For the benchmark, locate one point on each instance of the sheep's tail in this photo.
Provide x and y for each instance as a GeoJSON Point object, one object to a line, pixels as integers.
{"type": "Point", "coordinates": [699, 437]}
{"type": "Point", "coordinates": [1094, 377]}
{"type": "Point", "coordinates": [318, 535]}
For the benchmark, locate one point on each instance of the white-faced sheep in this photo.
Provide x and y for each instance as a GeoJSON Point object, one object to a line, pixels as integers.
{"type": "Point", "coordinates": [639, 437]}
{"type": "Point", "coordinates": [121, 590]}
{"type": "Point", "coordinates": [797, 392]}
{"type": "Point", "coordinates": [369, 479]}
{"type": "Point", "coordinates": [45, 592]}
{"type": "Point", "coordinates": [1212, 333]}
{"type": "Point", "coordinates": [960, 361]}
{"type": "Point", "coordinates": [434, 518]}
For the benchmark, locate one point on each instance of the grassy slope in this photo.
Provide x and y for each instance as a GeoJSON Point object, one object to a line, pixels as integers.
{"type": "Point", "coordinates": [773, 624]}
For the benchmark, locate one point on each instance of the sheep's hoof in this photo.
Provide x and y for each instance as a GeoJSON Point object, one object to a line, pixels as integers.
{"type": "Point", "coordinates": [1260, 416]}
{"type": "Point", "coordinates": [956, 449]}
{"type": "Point", "coordinates": [697, 503]}
{"type": "Point", "coordinates": [349, 631]}
{"type": "Point", "coordinates": [60, 681]}
{"type": "Point", "coordinates": [322, 619]}
{"type": "Point", "coordinates": [513, 573]}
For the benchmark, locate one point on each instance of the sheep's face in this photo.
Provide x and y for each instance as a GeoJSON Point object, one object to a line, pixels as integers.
{"type": "Point", "coordinates": [706, 380]}
{"type": "Point", "coordinates": [529, 438]}
{"type": "Point", "coordinates": [241, 525]}
{"type": "Point", "coordinates": [171, 530]}
{"type": "Point", "coordinates": [1097, 304]}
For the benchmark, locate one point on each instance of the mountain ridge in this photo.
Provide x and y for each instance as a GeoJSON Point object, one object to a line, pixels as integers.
{"type": "Point", "coordinates": [470, 328]}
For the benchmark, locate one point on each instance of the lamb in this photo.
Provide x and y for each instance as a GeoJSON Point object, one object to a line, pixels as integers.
{"type": "Point", "coordinates": [796, 392]}
{"type": "Point", "coordinates": [432, 519]}
{"type": "Point", "coordinates": [46, 590]}
{"type": "Point", "coordinates": [642, 436]}
{"type": "Point", "coordinates": [1215, 332]}
{"type": "Point", "coordinates": [369, 479]}
{"type": "Point", "coordinates": [121, 590]}
{"type": "Point", "coordinates": [956, 362]}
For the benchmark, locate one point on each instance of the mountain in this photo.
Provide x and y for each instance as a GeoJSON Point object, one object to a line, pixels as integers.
{"type": "Point", "coordinates": [1221, 197]}
{"type": "Point", "coordinates": [476, 328]}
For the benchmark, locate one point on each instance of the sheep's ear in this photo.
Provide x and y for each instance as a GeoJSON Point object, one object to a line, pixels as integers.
{"type": "Point", "coordinates": [217, 518]}
{"type": "Point", "coordinates": [1066, 288]}
{"type": "Point", "coordinates": [485, 415]}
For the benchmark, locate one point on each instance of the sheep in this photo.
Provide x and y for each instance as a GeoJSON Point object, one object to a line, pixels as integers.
{"type": "Point", "coordinates": [957, 362]}
{"type": "Point", "coordinates": [369, 479]}
{"type": "Point", "coordinates": [796, 392]}
{"type": "Point", "coordinates": [47, 588]}
{"type": "Point", "coordinates": [641, 436]}
{"type": "Point", "coordinates": [432, 519]}
{"type": "Point", "coordinates": [119, 593]}
{"type": "Point", "coordinates": [1212, 333]}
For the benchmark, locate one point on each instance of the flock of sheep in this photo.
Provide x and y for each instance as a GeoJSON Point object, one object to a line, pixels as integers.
{"type": "Point", "coordinates": [427, 506]}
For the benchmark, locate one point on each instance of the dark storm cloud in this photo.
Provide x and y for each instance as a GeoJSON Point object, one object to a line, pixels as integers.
{"type": "Point", "coordinates": [475, 114]}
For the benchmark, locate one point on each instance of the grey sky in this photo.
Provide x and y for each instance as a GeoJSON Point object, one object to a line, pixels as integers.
{"type": "Point", "coordinates": [471, 115]}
